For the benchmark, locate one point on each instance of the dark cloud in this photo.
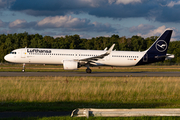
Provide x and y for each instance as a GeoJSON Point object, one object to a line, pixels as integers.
{"type": "Point", "coordinates": [153, 10]}
{"type": "Point", "coordinates": [52, 7]}
{"type": "Point", "coordinates": [49, 5]}
{"type": "Point", "coordinates": [160, 10]}
{"type": "Point", "coordinates": [99, 8]}
{"type": "Point", "coordinates": [6, 3]}
{"type": "Point", "coordinates": [121, 11]}
{"type": "Point", "coordinates": [167, 14]}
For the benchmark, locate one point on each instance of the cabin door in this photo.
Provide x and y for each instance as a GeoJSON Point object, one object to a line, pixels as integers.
{"type": "Point", "coordinates": [23, 53]}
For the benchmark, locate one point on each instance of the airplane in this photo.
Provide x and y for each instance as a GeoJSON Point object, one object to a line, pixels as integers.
{"type": "Point", "coordinates": [72, 59]}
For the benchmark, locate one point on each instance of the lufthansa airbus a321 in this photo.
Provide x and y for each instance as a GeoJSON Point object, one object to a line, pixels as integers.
{"type": "Point", "coordinates": [72, 59]}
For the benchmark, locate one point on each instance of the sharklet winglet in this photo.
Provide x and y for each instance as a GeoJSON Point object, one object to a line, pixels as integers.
{"type": "Point", "coordinates": [110, 49]}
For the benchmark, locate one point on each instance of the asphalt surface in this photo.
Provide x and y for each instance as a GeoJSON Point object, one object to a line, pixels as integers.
{"type": "Point", "coordinates": [93, 74]}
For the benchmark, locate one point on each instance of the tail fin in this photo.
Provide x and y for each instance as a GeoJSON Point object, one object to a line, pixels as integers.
{"type": "Point", "coordinates": [160, 46]}
{"type": "Point", "coordinates": [157, 51]}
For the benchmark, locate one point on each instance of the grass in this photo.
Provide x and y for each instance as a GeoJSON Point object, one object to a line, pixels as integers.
{"type": "Point", "coordinates": [86, 89]}
{"type": "Point", "coordinates": [68, 93]}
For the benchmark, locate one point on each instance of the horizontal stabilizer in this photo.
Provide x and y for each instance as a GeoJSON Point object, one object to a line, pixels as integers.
{"type": "Point", "coordinates": [168, 56]}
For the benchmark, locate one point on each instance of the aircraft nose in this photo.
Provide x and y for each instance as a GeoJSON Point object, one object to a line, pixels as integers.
{"type": "Point", "coordinates": [7, 57]}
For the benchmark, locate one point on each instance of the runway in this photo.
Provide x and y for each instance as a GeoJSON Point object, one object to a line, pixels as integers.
{"type": "Point", "coordinates": [94, 74]}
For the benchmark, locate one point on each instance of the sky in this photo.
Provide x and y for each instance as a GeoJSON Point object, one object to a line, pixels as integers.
{"type": "Point", "coordinates": [90, 18]}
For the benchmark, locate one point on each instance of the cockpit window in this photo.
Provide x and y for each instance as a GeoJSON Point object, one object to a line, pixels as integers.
{"type": "Point", "coordinates": [13, 53]}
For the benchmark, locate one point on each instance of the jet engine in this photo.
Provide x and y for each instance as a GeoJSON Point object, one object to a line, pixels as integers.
{"type": "Point", "coordinates": [70, 65]}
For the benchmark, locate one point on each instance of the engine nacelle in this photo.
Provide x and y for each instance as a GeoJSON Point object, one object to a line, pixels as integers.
{"type": "Point", "coordinates": [70, 65]}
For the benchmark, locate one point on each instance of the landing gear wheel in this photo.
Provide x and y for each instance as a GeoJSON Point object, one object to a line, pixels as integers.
{"type": "Point", "coordinates": [23, 70]}
{"type": "Point", "coordinates": [88, 71]}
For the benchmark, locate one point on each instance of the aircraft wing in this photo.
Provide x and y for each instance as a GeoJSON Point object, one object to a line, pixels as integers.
{"type": "Point", "coordinates": [95, 58]}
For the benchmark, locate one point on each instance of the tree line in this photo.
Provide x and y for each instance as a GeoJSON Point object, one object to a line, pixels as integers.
{"type": "Point", "coordinates": [135, 43]}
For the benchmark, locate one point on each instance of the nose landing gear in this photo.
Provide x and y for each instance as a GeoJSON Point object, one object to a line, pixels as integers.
{"type": "Point", "coordinates": [23, 70]}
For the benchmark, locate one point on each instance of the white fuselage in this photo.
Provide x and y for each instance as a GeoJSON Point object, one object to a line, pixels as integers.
{"type": "Point", "coordinates": [57, 56]}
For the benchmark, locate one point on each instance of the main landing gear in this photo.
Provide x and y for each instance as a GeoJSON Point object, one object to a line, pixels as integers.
{"type": "Point", "coordinates": [23, 70]}
{"type": "Point", "coordinates": [88, 70]}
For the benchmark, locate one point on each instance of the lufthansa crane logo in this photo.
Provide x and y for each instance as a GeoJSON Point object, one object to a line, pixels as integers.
{"type": "Point", "coordinates": [161, 45]}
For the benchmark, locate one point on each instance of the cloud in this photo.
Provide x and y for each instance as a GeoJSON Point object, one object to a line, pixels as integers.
{"type": "Point", "coordinates": [18, 24]}
{"type": "Point", "coordinates": [8, 31]}
{"type": "Point", "coordinates": [69, 23]}
{"type": "Point", "coordinates": [99, 27]}
{"type": "Point", "coordinates": [21, 24]}
{"type": "Point", "coordinates": [3, 24]}
{"type": "Point", "coordinates": [90, 3]}
{"type": "Point", "coordinates": [167, 14]}
{"type": "Point", "coordinates": [155, 32]}
{"type": "Point", "coordinates": [173, 3]}
{"type": "Point", "coordinates": [62, 22]}
{"type": "Point", "coordinates": [124, 1]}
{"type": "Point", "coordinates": [2, 3]}
{"type": "Point", "coordinates": [158, 31]}
{"type": "Point", "coordinates": [6, 3]}
{"type": "Point", "coordinates": [142, 28]}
